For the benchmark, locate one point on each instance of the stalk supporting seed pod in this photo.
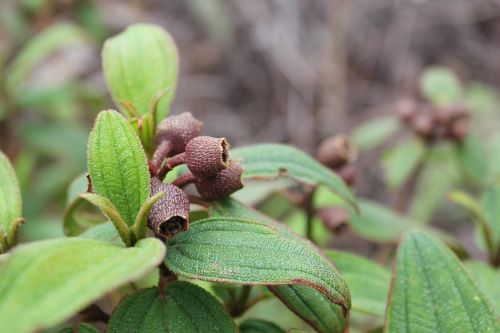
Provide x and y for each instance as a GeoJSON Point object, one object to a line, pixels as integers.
{"type": "Point", "coordinates": [170, 214]}
{"type": "Point", "coordinates": [173, 134]}
{"type": "Point", "coordinates": [207, 156]}
{"type": "Point", "coordinates": [336, 152]}
{"type": "Point", "coordinates": [226, 182]}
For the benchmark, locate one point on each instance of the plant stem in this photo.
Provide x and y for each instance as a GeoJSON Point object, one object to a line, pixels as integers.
{"type": "Point", "coordinates": [309, 210]}
{"type": "Point", "coordinates": [240, 305]}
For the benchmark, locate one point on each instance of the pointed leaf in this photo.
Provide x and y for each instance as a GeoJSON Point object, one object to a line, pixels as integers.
{"type": "Point", "coordinates": [368, 282]}
{"type": "Point", "coordinates": [10, 198]}
{"type": "Point", "coordinates": [273, 160]}
{"type": "Point", "coordinates": [244, 252]}
{"type": "Point", "coordinates": [117, 164]}
{"type": "Point", "coordinates": [140, 63]}
{"type": "Point", "coordinates": [431, 291]}
{"type": "Point", "coordinates": [185, 308]}
{"type": "Point", "coordinates": [46, 282]}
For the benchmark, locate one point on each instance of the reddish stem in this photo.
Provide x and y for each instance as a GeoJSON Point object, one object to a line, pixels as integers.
{"type": "Point", "coordinates": [184, 180]}
{"type": "Point", "coordinates": [161, 152]}
{"type": "Point", "coordinates": [171, 163]}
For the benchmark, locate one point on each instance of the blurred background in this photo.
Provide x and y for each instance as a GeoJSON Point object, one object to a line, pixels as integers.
{"type": "Point", "coordinates": [292, 71]}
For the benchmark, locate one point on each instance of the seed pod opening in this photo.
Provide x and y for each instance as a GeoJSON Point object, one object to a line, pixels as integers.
{"type": "Point", "coordinates": [170, 214]}
{"type": "Point", "coordinates": [226, 182]}
{"type": "Point", "coordinates": [336, 151]}
{"type": "Point", "coordinates": [207, 156]}
{"type": "Point", "coordinates": [178, 130]}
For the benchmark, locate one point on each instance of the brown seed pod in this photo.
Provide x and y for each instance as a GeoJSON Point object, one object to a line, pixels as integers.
{"type": "Point", "coordinates": [170, 214]}
{"type": "Point", "coordinates": [458, 129]}
{"type": "Point", "coordinates": [334, 218]}
{"type": "Point", "coordinates": [178, 130]}
{"type": "Point", "coordinates": [336, 151]}
{"type": "Point", "coordinates": [207, 156]}
{"type": "Point", "coordinates": [349, 174]}
{"type": "Point", "coordinates": [406, 109]}
{"type": "Point", "coordinates": [423, 124]}
{"type": "Point", "coordinates": [226, 182]}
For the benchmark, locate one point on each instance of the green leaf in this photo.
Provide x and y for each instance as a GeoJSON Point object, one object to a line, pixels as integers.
{"type": "Point", "coordinates": [70, 222]}
{"type": "Point", "coordinates": [374, 132]}
{"type": "Point", "coordinates": [308, 303]}
{"type": "Point", "coordinates": [140, 226]}
{"type": "Point", "coordinates": [82, 328]}
{"type": "Point", "coordinates": [313, 307]}
{"type": "Point", "coordinates": [487, 278]}
{"type": "Point", "coordinates": [431, 292]}
{"type": "Point", "coordinates": [140, 63]}
{"type": "Point", "coordinates": [259, 326]}
{"type": "Point", "coordinates": [117, 164]}
{"type": "Point", "coordinates": [244, 252]}
{"type": "Point", "coordinates": [274, 160]}
{"type": "Point", "coordinates": [10, 202]}
{"type": "Point", "coordinates": [47, 42]}
{"type": "Point", "coordinates": [105, 232]}
{"type": "Point", "coordinates": [368, 282]}
{"type": "Point", "coordinates": [112, 213]}
{"type": "Point", "coordinates": [184, 308]}
{"type": "Point", "coordinates": [471, 155]}
{"type": "Point", "coordinates": [440, 86]}
{"type": "Point", "coordinates": [46, 282]}
{"type": "Point", "coordinates": [491, 208]}
{"type": "Point", "coordinates": [402, 160]}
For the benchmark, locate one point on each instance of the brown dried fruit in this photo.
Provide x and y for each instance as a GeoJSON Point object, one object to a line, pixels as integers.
{"type": "Point", "coordinates": [334, 218]}
{"type": "Point", "coordinates": [349, 174]}
{"type": "Point", "coordinates": [178, 130]}
{"type": "Point", "coordinates": [207, 156]}
{"type": "Point", "coordinates": [226, 182]}
{"type": "Point", "coordinates": [336, 151]}
{"type": "Point", "coordinates": [406, 109]}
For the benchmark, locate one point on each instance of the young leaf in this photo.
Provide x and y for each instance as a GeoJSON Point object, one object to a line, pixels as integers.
{"type": "Point", "coordinates": [140, 226]}
{"type": "Point", "coordinates": [184, 308]}
{"type": "Point", "coordinates": [117, 164]}
{"type": "Point", "coordinates": [375, 132]}
{"type": "Point", "coordinates": [368, 282]}
{"type": "Point", "coordinates": [402, 160]}
{"type": "Point", "coordinates": [431, 291]}
{"type": "Point", "coordinates": [70, 223]}
{"type": "Point", "coordinates": [313, 307]}
{"type": "Point", "coordinates": [46, 282]}
{"type": "Point", "coordinates": [259, 326]}
{"type": "Point", "coordinates": [244, 252]}
{"type": "Point", "coordinates": [274, 160]}
{"type": "Point", "coordinates": [10, 201]}
{"type": "Point", "coordinates": [140, 63]}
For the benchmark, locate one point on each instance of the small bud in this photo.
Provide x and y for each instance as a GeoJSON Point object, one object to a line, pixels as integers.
{"type": "Point", "coordinates": [178, 130]}
{"type": "Point", "coordinates": [406, 109]}
{"type": "Point", "coordinates": [336, 151]}
{"type": "Point", "coordinates": [334, 218]}
{"type": "Point", "coordinates": [226, 182]}
{"type": "Point", "coordinates": [207, 156]}
{"type": "Point", "coordinates": [349, 174]}
{"type": "Point", "coordinates": [423, 124]}
{"type": "Point", "coordinates": [170, 214]}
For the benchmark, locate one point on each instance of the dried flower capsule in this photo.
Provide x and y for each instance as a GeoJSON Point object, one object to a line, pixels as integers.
{"type": "Point", "coordinates": [170, 214]}
{"type": "Point", "coordinates": [458, 129]}
{"type": "Point", "coordinates": [226, 182]}
{"type": "Point", "coordinates": [334, 218]}
{"type": "Point", "coordinates": [178, 130]}
{"type": "Point", "coordinates": [349, 174]}
{"type": "Point", "coordinates": [207, 156]}
{"type": "Point", "coordinates": [406, 109]}
{"type": "Point", "coordinates": [336, 152]}
{"type": "Point", "coordinates": [423, 124]}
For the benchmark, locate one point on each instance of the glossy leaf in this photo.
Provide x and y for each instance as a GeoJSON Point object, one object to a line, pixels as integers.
{"type": "Point", "coordinates": [432, 292]}
{"type": "Point", "coordinates": [184, 308]}
{"type": "Point", "coordinates": [139, 64]}
{"type": "Point", "coordinates": [244, 252]}
{"type": "Point", "coordinates": [48, 41]}
{"type": "Point", "coordinates": [441, 86]}
{"type": "Point", "coordinates": [117, 164]}
{"type": "Point", "coordinates": [10, 203]}
{"type": "Point", "coordinates": [273, 160]}
{"type": "Point", "coordinates": [374, 132]}
{"type": "Point", "coordinates": [46, 282]}
{"type": "Point", "coordinates": [259, 326]}
{"type": "Point", "coordinates": [402, 160]}
{"type": "Point", "coordinates": [368, 282]}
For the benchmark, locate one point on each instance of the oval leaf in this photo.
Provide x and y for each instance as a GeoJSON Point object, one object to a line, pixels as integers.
{"type": "Point", "coordinates": [139, 64]}
{"type": "Point", "coordinates": [274, 160]}
{"type": "Point", "coordinates": [245, 252]}
{"type": "Point", "coordinates": [46, 282]}
{"type": "Point", "coordinates": [441, 86]}
{"type": "Point", "coordinates": [184, 308]}
{"type": "Point", "coordinates": [10, 202]}
{"type": "Point", "coordinates": [117, 164]}
{"type": "Point", "coordinates": [431, 291]}
{"type": "Point", "coordinates": [368, 282]}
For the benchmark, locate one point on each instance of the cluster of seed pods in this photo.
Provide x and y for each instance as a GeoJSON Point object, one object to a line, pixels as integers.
{"type": "Point", "coordinates": [215, 175]}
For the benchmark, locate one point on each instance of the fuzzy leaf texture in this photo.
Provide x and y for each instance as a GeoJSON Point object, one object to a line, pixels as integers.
{"type": "Point", "coordinates": [185, 308]}
{"type": "Point", "coordinates": [46, 282]}
{"type": "Point", "coordinates": [274, 160]}
{"type": "Point", "coordinates": [306, 302]}
{"type": "Point", "coordinates": [117, 164]}
{"type": "Point", "coordinates": [245, 252]}
{"type": "Point", "coordinates": [10, 196]}
{"type": "Point", "coordinates": [139, 64]}
{"type": "Point", "coordinates": [432, 292]}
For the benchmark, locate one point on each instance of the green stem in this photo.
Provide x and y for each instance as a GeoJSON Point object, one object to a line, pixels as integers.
{"type": "Point", "coordinates": [240, 305]}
